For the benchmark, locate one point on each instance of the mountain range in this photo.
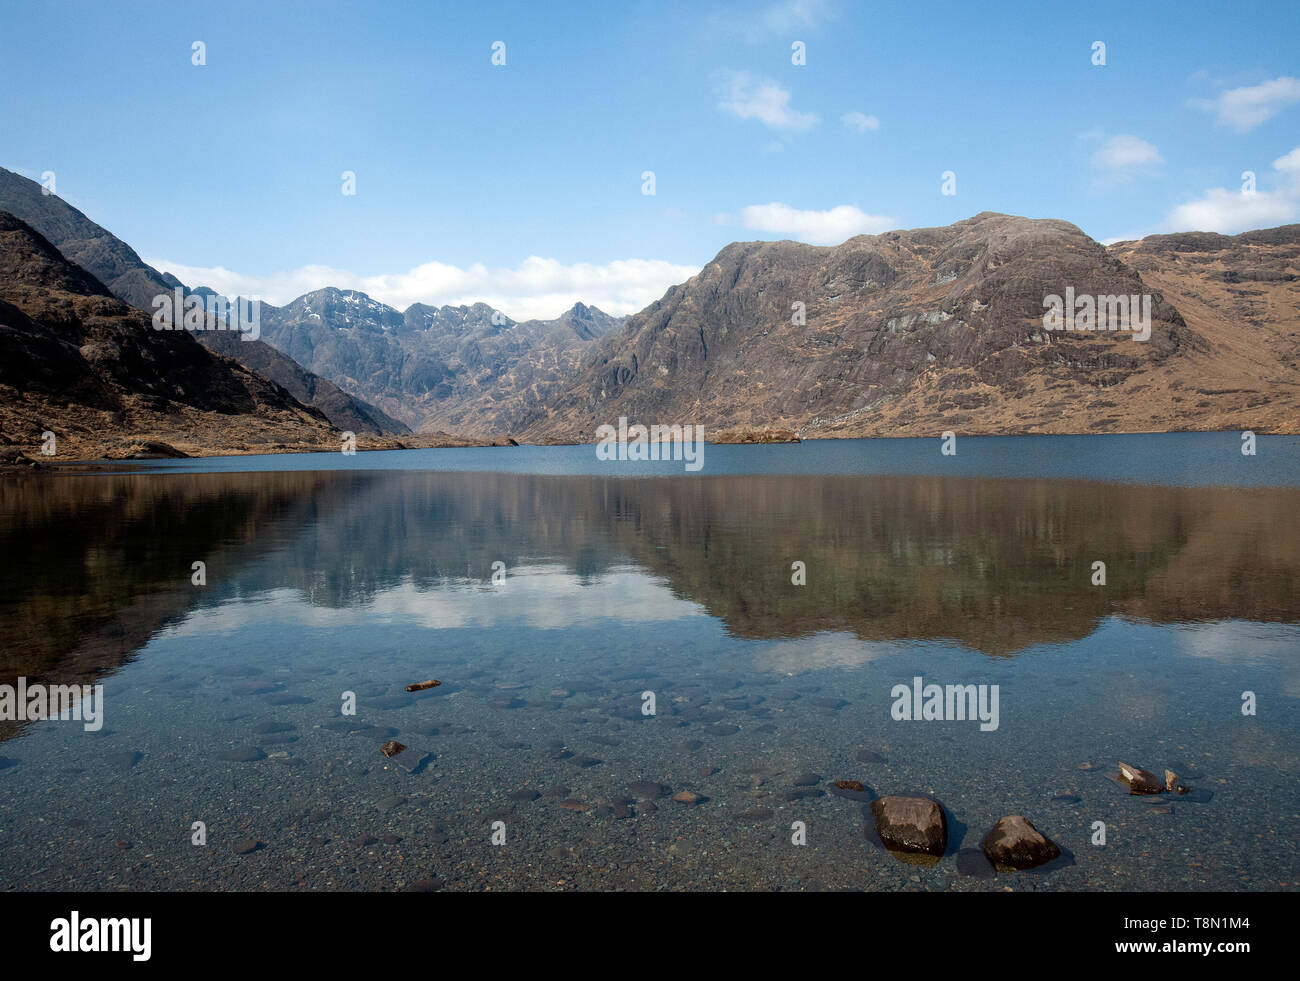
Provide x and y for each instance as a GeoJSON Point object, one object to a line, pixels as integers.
{"type": "Point", "coordinates": [80, 364]}
{"type": "Point", "coordinates": [461, 369]}
{"type": "Point", "coordinates": [117, 266]}
{"type": "Point", "coordinates": [904, 333]}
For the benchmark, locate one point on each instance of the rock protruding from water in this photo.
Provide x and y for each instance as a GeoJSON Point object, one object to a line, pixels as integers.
{"type": "Point", "coordinates": [1015, 843]}
{"type": "Point", "coordinates": [1140, 781]}
{"type": "Point", "coordinates": [911, 823]}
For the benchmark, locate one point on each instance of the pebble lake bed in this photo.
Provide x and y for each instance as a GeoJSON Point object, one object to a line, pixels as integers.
{"type": "Point", "coordinates": [640, 696]}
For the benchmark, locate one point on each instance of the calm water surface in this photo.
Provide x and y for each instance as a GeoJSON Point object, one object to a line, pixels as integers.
{"type": "Point", "coordinates": [329, 574]}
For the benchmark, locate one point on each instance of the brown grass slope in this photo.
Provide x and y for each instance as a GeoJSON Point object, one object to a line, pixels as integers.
{"type": "Point", "coordinates": [910, 333]}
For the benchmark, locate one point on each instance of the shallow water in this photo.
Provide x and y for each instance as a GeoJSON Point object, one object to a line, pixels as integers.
{"type": "Point", "coordinates": [363, 579]}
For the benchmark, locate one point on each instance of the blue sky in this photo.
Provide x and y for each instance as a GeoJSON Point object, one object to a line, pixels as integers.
{"type": "Point", "coordinates": [522, 184]}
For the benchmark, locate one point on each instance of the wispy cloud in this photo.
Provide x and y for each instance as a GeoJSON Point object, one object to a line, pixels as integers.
{"type": "Point", "coordinates": [536, 288]}
{"type": "Point", "coordinates": [775, 20]}
{"type": "Point", "coordinates": [780, 18]}
{"type": "Point", "coordinates": [1120, 159]}
{"type": "Point", "coordinates": [829, 227]}
{"type": "Point", "coordinates": [1229, 211]}
{"type": "Point", "coordinates": [860, 122]}
{"type": "Point", "coordinates": [1126, 153]}
{"type": "Point", "coordinates": [1245, 108]}
{"type": "Point", "coordinates": [748, 96]}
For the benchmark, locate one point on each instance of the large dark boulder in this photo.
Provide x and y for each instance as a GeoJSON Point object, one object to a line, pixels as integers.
{"type": "Point", "coordinates": [1015, 843]}
{"type": "Point", "coordinates": [911, 823]}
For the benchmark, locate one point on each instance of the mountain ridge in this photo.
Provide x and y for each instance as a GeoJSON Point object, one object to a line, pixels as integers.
{"type": "Point", "coordinates": [434, 367]}
{"type": "Point", "coordinates": [914, 332]}
{"type": "Point", "coordinates": [129, 278]}
{"type": "Point", "coordinates": [86, 366]}
{"type": "Point", "coordinates": [905, 333]}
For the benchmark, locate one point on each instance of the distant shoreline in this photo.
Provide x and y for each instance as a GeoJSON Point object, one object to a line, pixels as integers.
{"type": "Point", "coordinates": [15, 460]}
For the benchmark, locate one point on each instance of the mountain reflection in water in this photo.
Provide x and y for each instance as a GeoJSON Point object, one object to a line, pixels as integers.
{"type": "Point", "coordinates": [96, 565]}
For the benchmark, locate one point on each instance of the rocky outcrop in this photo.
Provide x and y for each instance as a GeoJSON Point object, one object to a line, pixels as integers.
{"type": "Point", "coordinates": [1242, 294]}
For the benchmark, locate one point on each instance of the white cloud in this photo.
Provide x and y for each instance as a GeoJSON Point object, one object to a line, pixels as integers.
{"type": "Point", "coordinates": [814, 227]}
{"type": "Point", "coordinates": [1231, 211]}
{"type": "Point", "coordinates": [1220, 210]}
{"type": "Point", "coordinates": [776, 20]}
{"type": "Point", "coordinates": [793, 15]}
{"type": "Point", "coordinates": [1288, 163]}
{"type": "Point", "coordinates": [1245, 108]}
{"type": "Point", "coordinates": [1125, 153]}
{"type": "Point", "coordinates": [860, 122]}
{"type": "Point", "coordinates": [747, 96]}
{"type": "Point", "coordinates": [536, 288]}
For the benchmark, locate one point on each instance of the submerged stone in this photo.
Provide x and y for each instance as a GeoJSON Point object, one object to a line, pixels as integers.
{"type": "Point", "coordinates": [648, 789]}
{"type": "Point", "coordinates": [267, 728]}
{"type": "Point", "coordinates": [424, 885]}
{"type": "Point", "coordinates": [805, 793]}
{"type": "Point", "coordinates": [852, 790]}
{"type": "Point", "coordinates": [242, 754]}
{"type": "Point", "coordinates": [830, 703]}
